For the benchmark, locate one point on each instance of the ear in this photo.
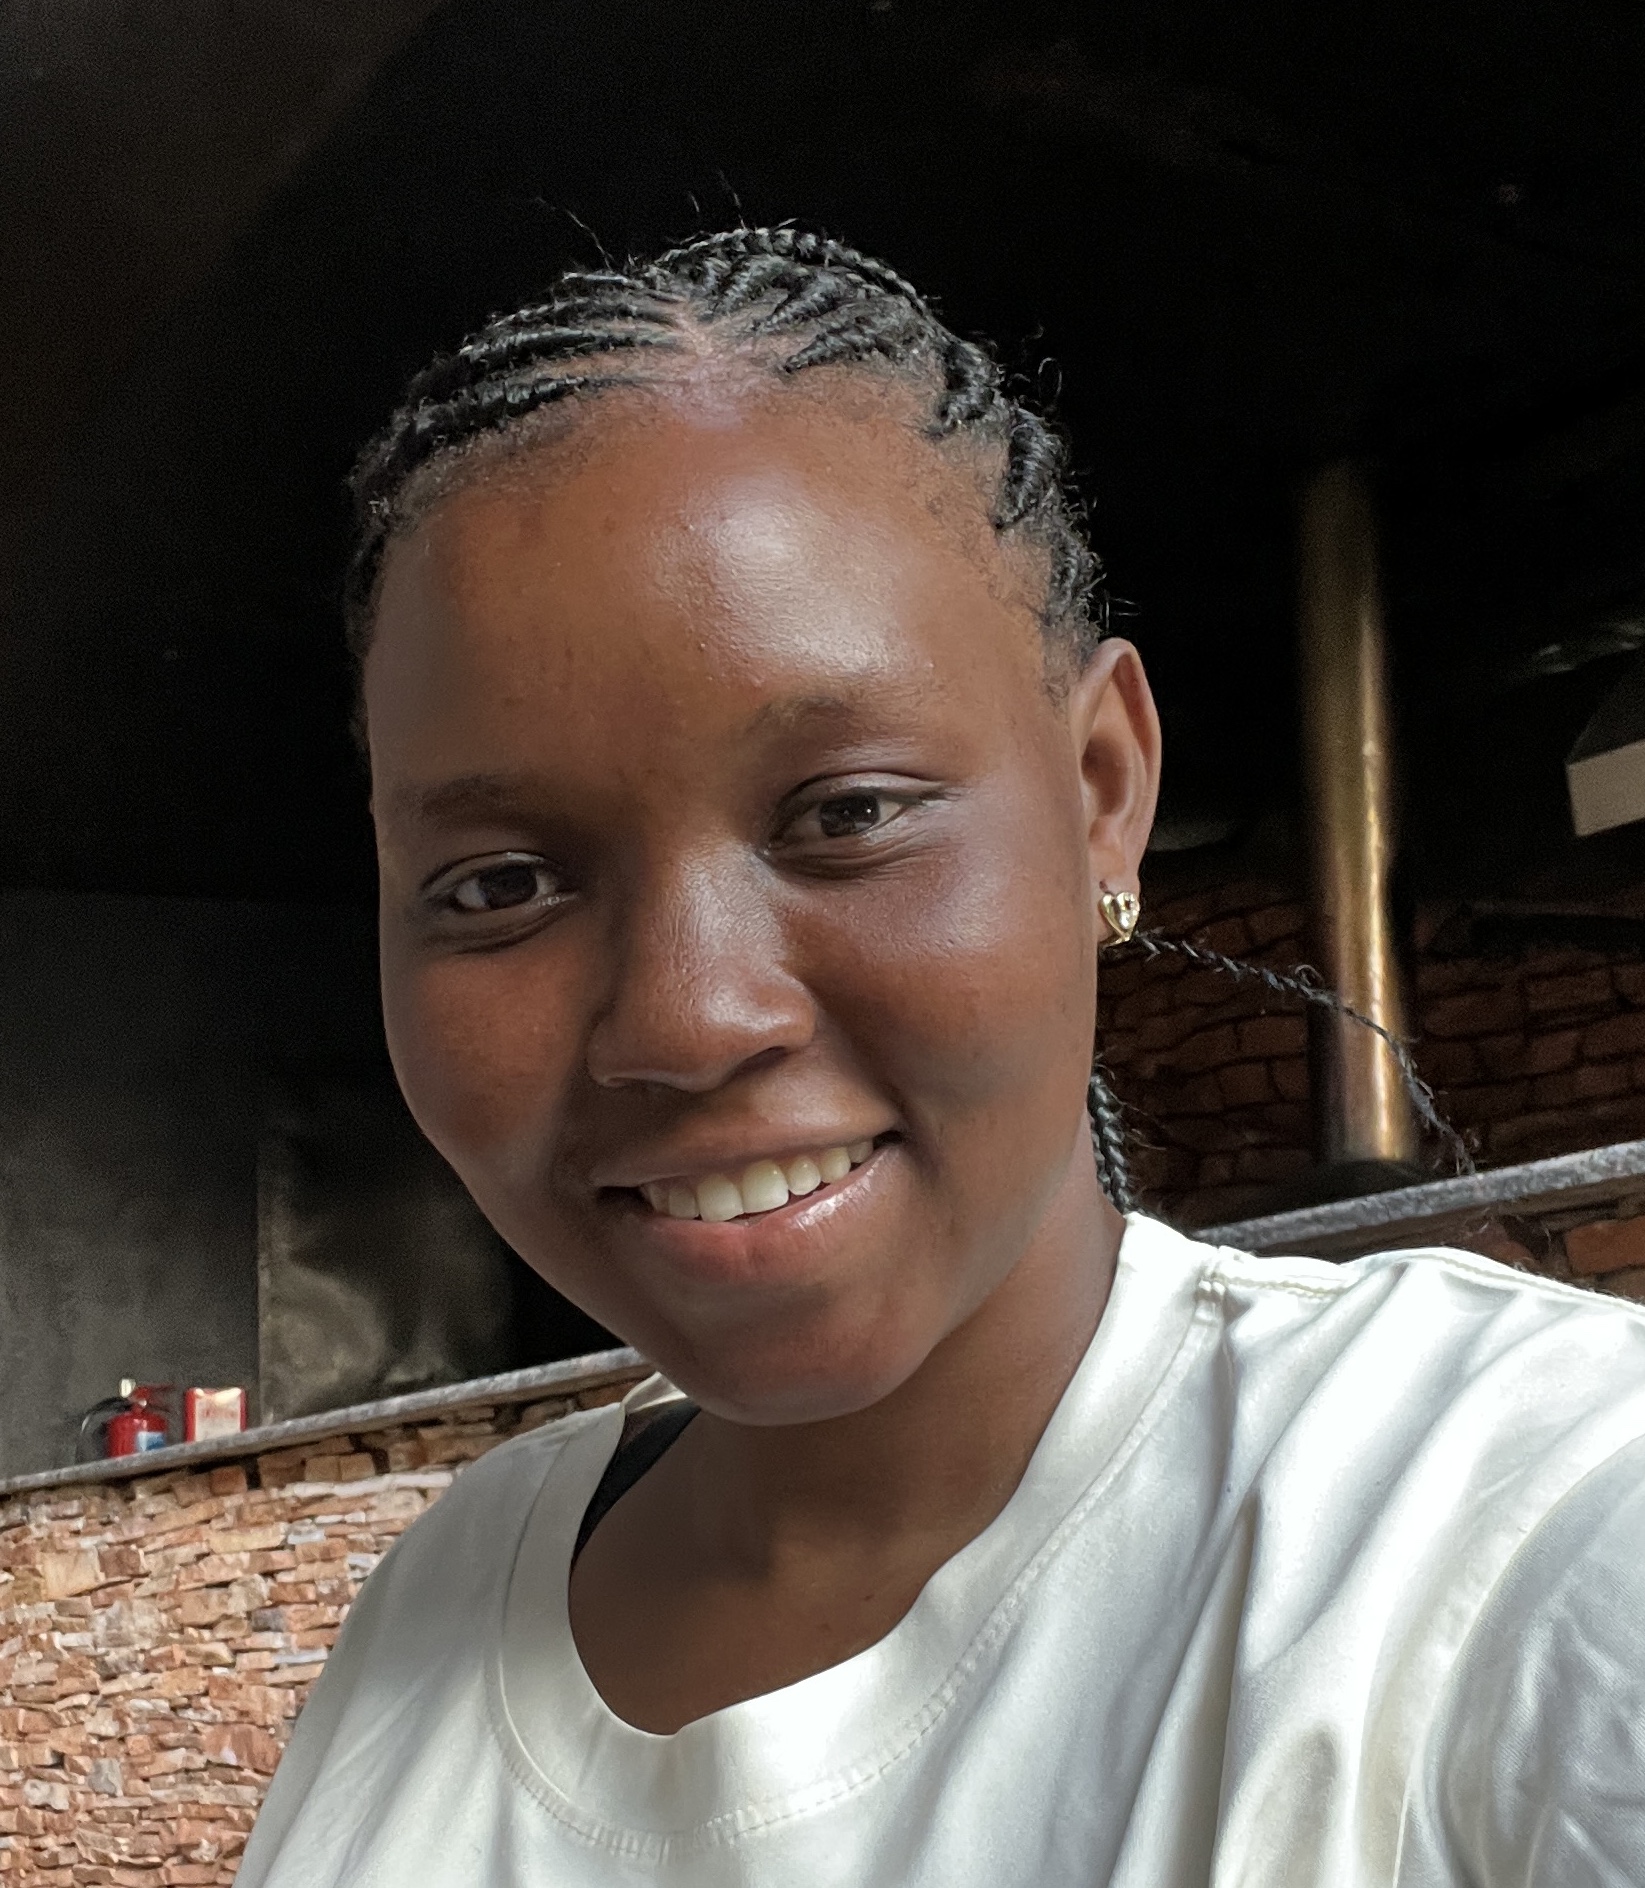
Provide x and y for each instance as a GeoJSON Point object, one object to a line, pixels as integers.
{"type": "Point", "coordinates": [1116, 733]}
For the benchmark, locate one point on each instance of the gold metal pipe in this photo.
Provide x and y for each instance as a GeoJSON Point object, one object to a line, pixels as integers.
{"type": "Point", "coordinates": [1361, 1109]}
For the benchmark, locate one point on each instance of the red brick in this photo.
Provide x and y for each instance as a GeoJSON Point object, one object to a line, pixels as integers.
{"type": "Point", "coordinates": [1448, 1064]}
{"type": "Point", "coordinates": [1228, 935]}
{"type": "Point", "coordinates": [1245, 1085]}
{"type": "Point", "coordinates": [1205, 988]}
{"type": "Point", "coordinates": [1490, 1102]}
{"type": "Point", "coordinates": [1547, 1053]}
{"type": "Point", "coordinates": [1209, 1134]}
{"type": "Point", "coordinates": [1270, 923]}
{"type": "Point", "coordinates": [1588, 990]}
{"type": "Point", "coordinates": [1177, 915]}
{"type": "Point", "coordinates": [242, 1746]}
{"type": "Point", "coordinates": [1595, 1081]}
{"type": "Point", "coordinates": [1166, 1030]}
{"type": "Point", "coordinates": [1472, 1013]}
{"type": "Point", "coordinates": [1209, 1049]}
{"type": "Point", "coordinates": [1530, 1136]}
{"type": "Point", "coordinates": [1617, 1036]}
{"type": "Point", "coordinates": [1271, 1163]}
{"type": "Point", "coordinates": [1500, 1056]}
{"type": "Point", "coordinates": [1267, 1036]}
{"type": "Point", "coordinates": [1606, 1245]}
{"type": "Point", "coordinates": [1492, 1242]}
{"type": "Point", "coordinates": [1445, 978]}
{"type": "Point", "coordinates": [354, 1467]}
{"type": "Point", "coordinates": [1201, 1096]}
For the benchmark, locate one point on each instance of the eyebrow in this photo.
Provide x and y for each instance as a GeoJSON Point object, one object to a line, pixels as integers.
{"type": "Point", "coordinates": [788, 716]}
{"type": "Point", "coordinates": [470, 795]}
{"type": "Point", "coordinates": [463, 797]}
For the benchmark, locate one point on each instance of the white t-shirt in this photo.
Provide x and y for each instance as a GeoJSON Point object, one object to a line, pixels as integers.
{"type": "Point", "coordinates": [1321, 1577]}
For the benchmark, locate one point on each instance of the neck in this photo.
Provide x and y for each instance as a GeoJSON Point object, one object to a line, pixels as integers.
{"type": "Point", "coordinates": [947, 1447]}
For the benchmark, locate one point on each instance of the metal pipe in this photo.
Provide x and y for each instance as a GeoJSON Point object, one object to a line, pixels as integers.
{"type": "Point", "coordinates": [1362, 1112]}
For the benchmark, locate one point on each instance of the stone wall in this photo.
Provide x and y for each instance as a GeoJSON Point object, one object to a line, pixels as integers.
{"type": "Point", "coordinates": [1533, 1055]}
{"type": "Point", "coordinates": [158, 1637]}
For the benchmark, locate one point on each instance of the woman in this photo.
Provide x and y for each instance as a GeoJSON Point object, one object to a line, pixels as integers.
{"type": "Point", "coordinates": [754, 789]}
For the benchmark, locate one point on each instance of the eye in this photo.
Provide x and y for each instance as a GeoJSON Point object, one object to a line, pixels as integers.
{"type": "Point", "coordinates": [850, 813]}
{"type": "Point", "coordinates": [507, 883]}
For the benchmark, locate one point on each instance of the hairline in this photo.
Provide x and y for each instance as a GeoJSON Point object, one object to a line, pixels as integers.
{"type": "Point", "coordinates": [554, 441]}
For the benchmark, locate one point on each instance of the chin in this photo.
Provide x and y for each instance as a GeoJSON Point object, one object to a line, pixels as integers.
{"type": "Point", "coordinates": [810, 1371]}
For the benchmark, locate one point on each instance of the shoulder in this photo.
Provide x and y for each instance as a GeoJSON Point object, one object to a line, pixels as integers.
{"type": "Point", "coordinates": [446, 1572]}
{"type": "Point", "coordinates": [1447, 1460]}
{"type": "Point", "coordinates": [1395, 1340]}
{"type": "Point", "coordinates": [1534, 1768]}
{"type": "Point", "coordinates": [1440, 1313]}
{"type": "Point", "coordinates": [404, 1688]}
{"type": "Point", "coordinates": [1438, 1368]}
{"type": "Point", "coordinates": [1466, 1281]}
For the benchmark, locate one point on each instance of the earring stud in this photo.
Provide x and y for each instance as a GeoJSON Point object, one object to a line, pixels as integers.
{"type": "Point", "coordinates": [1120, 911]}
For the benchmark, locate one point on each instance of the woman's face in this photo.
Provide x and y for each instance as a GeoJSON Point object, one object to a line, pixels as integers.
{"type": "Point", "coordinates": [726, 821]}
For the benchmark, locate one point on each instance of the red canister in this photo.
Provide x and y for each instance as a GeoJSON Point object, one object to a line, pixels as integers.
{"type": "Point", "coordinates": [142, 1425]}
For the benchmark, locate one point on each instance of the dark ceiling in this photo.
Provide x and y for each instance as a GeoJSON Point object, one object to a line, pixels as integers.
{"type": "Point", "coordinates": [1250, 237]}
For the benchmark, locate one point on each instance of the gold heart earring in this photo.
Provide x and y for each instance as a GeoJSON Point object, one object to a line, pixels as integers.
{"type": "Point", "coordinates": [1120, 911]}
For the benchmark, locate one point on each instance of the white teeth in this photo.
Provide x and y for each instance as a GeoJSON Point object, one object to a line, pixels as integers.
{"type": "Point", "coordinates": [765, 1185]}
{"type": "Point", "coordinates": [719, 1199]}
{"type": "Point", "coordinates": [803, 1175]}
{"type": "Point", "coordinates": [835, 1164]}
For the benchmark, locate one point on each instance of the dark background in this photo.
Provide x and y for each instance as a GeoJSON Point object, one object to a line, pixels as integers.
{"type": "Point", "coordinates": [1248, 237]}
{"type": "Point", "coordinates": [1240, 241]}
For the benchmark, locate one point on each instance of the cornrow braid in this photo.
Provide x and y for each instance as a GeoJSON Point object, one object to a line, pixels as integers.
{"type": "Point", "coordinates": [1109, 1139]}
{"type": "Point", "coordinates": [796, 297]}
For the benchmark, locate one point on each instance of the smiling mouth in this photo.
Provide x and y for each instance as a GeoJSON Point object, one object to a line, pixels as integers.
{"type": "Point", "coordinates": [761, 1187]}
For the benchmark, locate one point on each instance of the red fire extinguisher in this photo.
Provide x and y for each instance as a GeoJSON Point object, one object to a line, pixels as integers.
{"type": "Point", "coordinates": [142, 1425]}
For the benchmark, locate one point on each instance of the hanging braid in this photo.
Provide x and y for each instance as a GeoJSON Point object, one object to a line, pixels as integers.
{"type": "Point", "coordinates": [1109, 1139]}
{"type": "Point", "coordinates": [1304, 983]}
{"type": "Point", "coordinates": [791, 297]}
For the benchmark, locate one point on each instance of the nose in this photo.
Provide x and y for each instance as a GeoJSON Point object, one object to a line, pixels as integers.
{"type": "Point", "coordinates": [700, 987]}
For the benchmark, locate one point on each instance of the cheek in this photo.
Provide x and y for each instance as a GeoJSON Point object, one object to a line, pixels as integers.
{"type": "Point", "coordinates": [479, 1045]}
{"type": "Point", "coordinates": [972, 976]}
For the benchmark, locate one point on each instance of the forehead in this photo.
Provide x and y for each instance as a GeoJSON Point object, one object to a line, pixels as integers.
{"type": "Point", "coordinates": [707, 537]}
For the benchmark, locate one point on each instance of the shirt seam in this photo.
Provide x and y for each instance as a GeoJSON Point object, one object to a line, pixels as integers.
{"type": "Point", "coordinates": [1237, 1270]}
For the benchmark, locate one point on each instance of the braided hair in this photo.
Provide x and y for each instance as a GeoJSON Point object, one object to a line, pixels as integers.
{"type": "Point", "coordinates": [785, 297]}
{"type": "Point", "coordinates": [1108, 1132]}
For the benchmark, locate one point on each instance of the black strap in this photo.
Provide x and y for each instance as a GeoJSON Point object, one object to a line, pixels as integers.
{"type": "Point", "coordinates": [639, 1452]}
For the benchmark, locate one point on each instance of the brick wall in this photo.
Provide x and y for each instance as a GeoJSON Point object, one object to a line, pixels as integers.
{"type": "Point", "coordinates": [1214, 1075]}
{"type": "Point", "coordinates": [1536, 1055]}
{"type": "Point", "coordinates": [158, 1637]}
{"type": "Point", "coordinates": [1606, 1254]}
